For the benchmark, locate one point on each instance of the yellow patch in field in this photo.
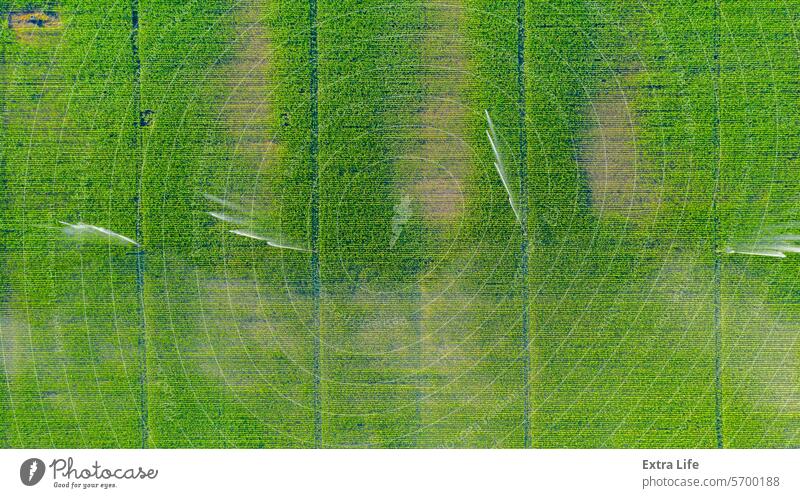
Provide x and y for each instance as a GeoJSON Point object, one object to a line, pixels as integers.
{"type": "Point", "coordinates": [31, 26]}
{"type": "Point", "coordinates": [621, 183]}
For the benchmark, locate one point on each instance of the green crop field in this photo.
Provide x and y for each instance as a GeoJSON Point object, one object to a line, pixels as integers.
{"type": "Point", "coordinates": [407, 223]}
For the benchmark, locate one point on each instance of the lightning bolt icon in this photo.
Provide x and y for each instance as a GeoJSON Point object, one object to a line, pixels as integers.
{"type": "Point", "coordinates": [32, 470]}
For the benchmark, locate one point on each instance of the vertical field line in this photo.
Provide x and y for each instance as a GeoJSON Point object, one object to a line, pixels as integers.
{"type": "Point", "coordinates": [715, 237]}
{"type": "Point", "coordinates": [137, 142]}
{"type": "Point", "coordinates": [416, 319]}
{"type": "Point", "coordinates": [315, 264]}
{"type": "Point", "coordinates": [523, 203]}
{"type": "Point", "coordinates": [6, 435]}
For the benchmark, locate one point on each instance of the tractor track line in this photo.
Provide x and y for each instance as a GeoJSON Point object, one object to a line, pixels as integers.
{"type": "Point", "coordinates": [315, 263]}
{"type": "Point", "coordinates": [137, 144]}
{"type": "Point", "coordinates": [523, 194]}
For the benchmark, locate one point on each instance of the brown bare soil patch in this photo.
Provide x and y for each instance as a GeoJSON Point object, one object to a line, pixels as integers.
{"type": "Point", "coordinates": [34, 26]}
{"type": "Point", "coordinates": [248, 108]}
{"type": "Point", "coordinates": [619, 180]}
{"type": "Point", "coordinates": [443, 120]}
{"type": "Point", "coordinates": [34, 19]}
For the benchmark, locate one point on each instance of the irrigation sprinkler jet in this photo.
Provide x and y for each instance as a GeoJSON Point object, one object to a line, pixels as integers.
{"type": "Point", "coordinates": [224, 203]}
{"type": "Point", "coordinates": [247, 222]}
{"type": "Point", "coordinates": [754, 251]}
{"type": "Point", "coordinates": [270, 242]}
{"type": "Point", "coordinates": [776, 246]}
{"type": "Point", "coordinates": [226, 217]}
{"type": "Point", "coordinates": [500, 166]}
{"type": "Point", "coordinates": [83, 228]}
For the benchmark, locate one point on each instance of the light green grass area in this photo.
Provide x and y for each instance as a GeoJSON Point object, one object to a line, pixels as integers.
{"type": "Point", "coordinates": [285, 227]}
